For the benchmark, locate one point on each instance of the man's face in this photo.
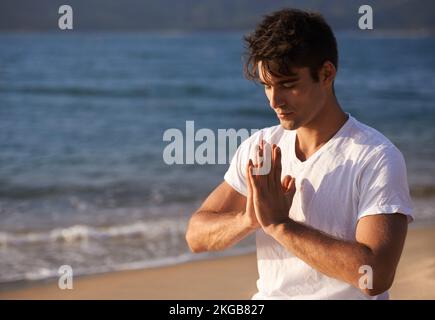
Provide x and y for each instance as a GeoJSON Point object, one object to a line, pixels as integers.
{"type": "Point", "coordinates": [296, 99]}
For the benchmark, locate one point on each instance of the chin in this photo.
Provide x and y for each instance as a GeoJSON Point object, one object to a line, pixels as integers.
{"type": "Point", "coordinates": [289, 125]}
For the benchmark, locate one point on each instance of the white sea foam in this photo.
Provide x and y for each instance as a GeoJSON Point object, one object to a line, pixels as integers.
{"type": "Point", "coordinates": [80, 233]}
{"type": "Point", "coordinates": [47, 273]}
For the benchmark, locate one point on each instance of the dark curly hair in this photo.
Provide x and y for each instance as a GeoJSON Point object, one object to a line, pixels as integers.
{"type": "Point", "coordinates": [290, 38]}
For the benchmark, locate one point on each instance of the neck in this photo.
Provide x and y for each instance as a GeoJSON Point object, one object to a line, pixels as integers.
{"type": "Point", "coordinates": [320, 129]}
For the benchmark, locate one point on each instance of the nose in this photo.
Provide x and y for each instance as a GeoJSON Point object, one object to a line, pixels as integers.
{"type": "Point", "coordinates": [275, 98]}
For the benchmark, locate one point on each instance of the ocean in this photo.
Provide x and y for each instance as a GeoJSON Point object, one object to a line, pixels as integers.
{"type": "Point", "coordinates": [83, 181]}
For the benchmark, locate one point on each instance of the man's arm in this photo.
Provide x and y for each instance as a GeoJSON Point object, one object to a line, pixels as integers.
{"type": "Point", "coordinates": [221, 221]}
{"type": "Point", "coordinates": [379, 238]}
{"type": "Point", "coordinates": [379, 243]}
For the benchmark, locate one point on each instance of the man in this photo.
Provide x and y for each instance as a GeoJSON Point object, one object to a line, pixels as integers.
{"type": "Point", "coordinates": [331, 214]}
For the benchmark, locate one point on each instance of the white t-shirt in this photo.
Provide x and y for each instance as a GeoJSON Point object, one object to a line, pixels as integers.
{"type": "Point", "coordinates": [358, 172]}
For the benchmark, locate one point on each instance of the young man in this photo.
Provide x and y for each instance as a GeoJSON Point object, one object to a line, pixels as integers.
{"type": "Point", "coordinates": [331, 214]}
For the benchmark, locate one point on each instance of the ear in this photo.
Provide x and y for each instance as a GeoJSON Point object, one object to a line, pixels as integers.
{"type": "Point", "coordinates": [327, 73]}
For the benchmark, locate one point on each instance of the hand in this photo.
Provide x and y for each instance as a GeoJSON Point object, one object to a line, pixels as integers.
{"type": "Point", "coordinates": [250, 210]}
{"type": "Point", "coordinates": [272, 198]}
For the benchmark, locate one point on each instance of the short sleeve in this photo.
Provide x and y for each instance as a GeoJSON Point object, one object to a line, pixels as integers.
{"type": "Point", "coordinates": [383, 185]}
{"type": "Point", "coordinates": [236, 173]}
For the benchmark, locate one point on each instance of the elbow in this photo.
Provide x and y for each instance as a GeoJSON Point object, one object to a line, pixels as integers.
{"type": "Point", "coordinates": [376, 290]}
{"type": "Point", "coordinates": [378, 286]}
{"type": "Point", "coordinates": [193, 247]}
{"type": "Point", "coordinates": [375, 275]}
{"type": "Point", "coordinates": [191, 240]}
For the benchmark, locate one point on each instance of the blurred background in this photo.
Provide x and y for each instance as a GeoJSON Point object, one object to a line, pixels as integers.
{"type": "Point", "coordinates": [83, 112]}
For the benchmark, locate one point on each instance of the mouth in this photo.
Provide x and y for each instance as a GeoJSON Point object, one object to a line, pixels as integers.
{"type": "Point", "coordinates": [285, 115]}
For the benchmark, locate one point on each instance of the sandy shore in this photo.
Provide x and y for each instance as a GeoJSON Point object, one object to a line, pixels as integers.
{"type": "Point", "coordinates": [229, 278]}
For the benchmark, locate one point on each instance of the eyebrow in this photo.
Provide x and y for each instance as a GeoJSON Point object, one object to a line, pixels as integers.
{"type": "Point", "coordinates": [289, 79]}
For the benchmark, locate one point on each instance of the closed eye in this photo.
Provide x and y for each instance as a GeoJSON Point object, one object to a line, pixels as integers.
{"type": "Point", "coordinates": [289, 85]}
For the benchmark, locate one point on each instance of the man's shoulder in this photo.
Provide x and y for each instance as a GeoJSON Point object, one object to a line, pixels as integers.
{"type": "Point", "coordinates": [371, 143]}
{"type": "Point", "coordinates": [369, 137]}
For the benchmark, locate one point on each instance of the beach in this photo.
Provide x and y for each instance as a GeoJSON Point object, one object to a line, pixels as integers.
{"type": "Point", "coordinates": [87, 177]}
{"type": "Point", "coordinates": [228, 278]}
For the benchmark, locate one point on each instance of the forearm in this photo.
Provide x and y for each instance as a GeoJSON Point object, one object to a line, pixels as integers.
{"type": "Point", "coordinates": [333, 257]}
{"type": "Point", "coordinates": [212, 231]}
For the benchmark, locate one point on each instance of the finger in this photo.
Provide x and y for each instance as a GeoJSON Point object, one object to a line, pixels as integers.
{"type": "Point", "coordinates": [259, 151]}
{"type": "Point", "coordinates": [272, 156]}
{"type": "Point", "coordinates": [278, 167]}
{"type": "Point", "coordinates": [286, 182]}
{"type": "Point", "coordinates": [291, 190]}
{"type": "Point", "coordinates": [271, 175]}
{"type": "Point", "coordinates": [250, 177]}
{"type": "Point", "coordinates": [273, 162]}
{"type": "Point", "coordinates": [292, 186]}
{"type": "Point", "coordinates": [248, 172]}
{"type": "Point", "coordinates": [259, 156]}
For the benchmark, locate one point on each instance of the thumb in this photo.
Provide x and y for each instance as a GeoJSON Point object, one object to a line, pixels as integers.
{"type": "Point", "coordinates": [290, 191]}
{"type": "Point", "coordinates": [291, 187]}
{"type": "Point", "coordinates": [286, 183]}
{"type": "Point", "coordinates": [249, 167]}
